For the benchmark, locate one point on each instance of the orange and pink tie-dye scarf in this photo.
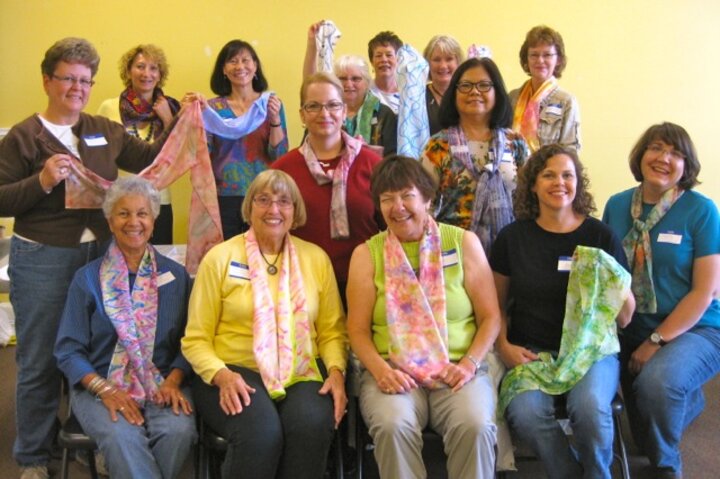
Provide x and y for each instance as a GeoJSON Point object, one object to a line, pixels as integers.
{"type": "Point", "coordinates": [282, 337]}
{"type": "Point", "coordinates": [415, 308]}
{"type": "Point", "coordinates": [527, 111]}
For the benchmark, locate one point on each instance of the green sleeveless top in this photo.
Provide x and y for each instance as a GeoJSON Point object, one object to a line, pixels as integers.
{"type": "Point", "coordinates": [460, 317]}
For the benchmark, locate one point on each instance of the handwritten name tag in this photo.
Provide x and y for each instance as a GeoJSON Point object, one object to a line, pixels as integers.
{"type": "Point", "coordinates": [669, 237]}
{"type": "Point", "coordinates": [564, 263]}
{"type": "Point", "coordinates": [449, 258]}
{"type": "Point", "coordinates": [165, 278]}
{"type": "Point", "coordinates": [95, 140]}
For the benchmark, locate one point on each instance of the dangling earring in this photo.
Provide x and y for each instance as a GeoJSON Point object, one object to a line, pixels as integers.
{"type": "Point", "coordinates": [255, 77]}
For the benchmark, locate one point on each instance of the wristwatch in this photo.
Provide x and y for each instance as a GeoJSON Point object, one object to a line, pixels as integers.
{"type": "Point", "coordinates": [656, 338]}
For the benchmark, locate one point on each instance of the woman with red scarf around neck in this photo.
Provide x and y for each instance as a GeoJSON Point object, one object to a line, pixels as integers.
{"type": "Point", "coordinates": [145, 111]}
{"type": "Point", "coordinates": [544, 113]}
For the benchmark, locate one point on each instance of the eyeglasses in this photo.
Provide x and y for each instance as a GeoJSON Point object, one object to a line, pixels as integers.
{"type": "Point", "coordinates": [266, 202]}
{"type": "Point", "coordinates": [658, 150]}
{"type": "Point", "coordinates": [351, 79]}
{"type": "Point", "coordinates": [537, 56]}
{"type": "Point", "coordinates": [69, 81]}
{"type": "Point", "coordinates": [331, 107]}
{"type": "Point", "coordinates": [481, 86]}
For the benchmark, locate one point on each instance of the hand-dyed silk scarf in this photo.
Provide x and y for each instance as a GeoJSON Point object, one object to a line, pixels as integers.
{"type": "Point", "coordinates": [135, 109]}
{"type": "Point", "coordinates": [134, 316]}
{"type": "Point", "coordinates": [638, 247]}
{"type": "Point", "coordinates": [339, 224]}
{"type": "Point", "coordinates": [416, 307]}
{"type": "Point", "coordinates": [527, 111]}
{"type": "Point", "coordinates": [413, 123]}
{"type": "Point", "coordinates": [240, 126]}
{"type": "Point", "coordinates": [492, 210]}
{"type": "Point", "coordinates": [282, 340]}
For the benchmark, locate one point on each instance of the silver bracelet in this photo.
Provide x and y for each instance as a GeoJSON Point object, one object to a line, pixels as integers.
{"type": "Point", "coordinates": [476, 362]}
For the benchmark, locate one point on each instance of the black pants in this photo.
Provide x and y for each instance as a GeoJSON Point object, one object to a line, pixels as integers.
{"type": "Point", "coordinates": [270, 439]}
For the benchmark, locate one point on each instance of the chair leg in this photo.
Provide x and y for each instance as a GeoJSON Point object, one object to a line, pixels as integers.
{"type": "Point", "coordinates": [65, 459]}
{"type": "Point", "coordinates": [622, 450]}
{"type": "Point", "coordinates": [339, 466]}
{"type": "Point", "coordinates": [359, 446]}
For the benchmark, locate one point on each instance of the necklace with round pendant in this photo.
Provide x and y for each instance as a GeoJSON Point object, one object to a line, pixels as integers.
{"type": "Point", "coordinates": [271, 268]}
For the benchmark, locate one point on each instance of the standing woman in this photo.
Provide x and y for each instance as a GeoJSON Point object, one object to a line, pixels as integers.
{"type": "Point", "coordinates": [530, 262]}
{"type": "Point", "coordinates": [333, 171]}
{"type": "Point", "coordinates": [476, 156]}
{"type": "Point", "coordinates": [544, 112]}
{"type": "Point", "coordinates": [443, 54]}
{"type": "Point", "coordinates": [238, 80]}
{"type": "Point", "coordinates": [51, 242]}
{"type": "Point", "coordinates": [672, 348]}
{"type": "Point", "coordinates": [145, 112]}
{"type": "Point", "coordinates": [382, 51]}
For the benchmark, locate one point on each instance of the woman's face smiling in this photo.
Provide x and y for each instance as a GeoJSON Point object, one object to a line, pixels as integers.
{"type": "Point", "coordinates": [405, 212]}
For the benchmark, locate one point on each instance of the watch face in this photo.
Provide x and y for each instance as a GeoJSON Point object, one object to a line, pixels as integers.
{"type": "Point", "coordinates": [655, 338]}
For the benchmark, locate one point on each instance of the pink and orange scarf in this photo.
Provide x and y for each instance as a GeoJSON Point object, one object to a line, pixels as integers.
{"type": "Point", "coordinates": [527, 111]}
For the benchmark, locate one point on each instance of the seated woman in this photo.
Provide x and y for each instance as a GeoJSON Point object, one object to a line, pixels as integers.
{"type": "Point", "coordinates": [119, 344]}
{"type": "Point", "coordinates": [266, 323]}
{"type": "Point", "coordinates": [145, 111]}
{"type": "Point", "coordinates": [672, 347]}
{"type": "Point", "coordinates": [531, 263]}
{"type": "Point", "coordinates": [422, 318]}
{"type": "Point", "coordinates": [544, 113]}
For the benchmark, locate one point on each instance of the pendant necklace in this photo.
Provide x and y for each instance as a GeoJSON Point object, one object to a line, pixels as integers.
{"type": "Point", "coordinates": [136, 133]}
{"type": "Point", "coordinates": [271, 268]}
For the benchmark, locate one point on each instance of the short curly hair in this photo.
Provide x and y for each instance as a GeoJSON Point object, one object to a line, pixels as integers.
{"type": "Point", "coordinates": [352, 61]}
{"type": "Point", "coordinates": [676, 136]}
{"type": "Point", "coordinates": [150, 52]}
{"type": "Point", "coordinates": [544, 35]}
{"type": "Point", "coordinates": [131, 185]}
{"type": "Point", "coordinates": [525, 200]}
{"type": "Point", "coordinates": [70, 50]}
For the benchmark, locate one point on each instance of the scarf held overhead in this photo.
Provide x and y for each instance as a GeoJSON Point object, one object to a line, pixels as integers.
{"type": "Point", "coordinates": [185, 149]}
{"type": "Point", "coordinates": [282, 337]}
{"type": "Point", "coordinates": [597, 289]}
{"type": "Point", "coordinates": [134, 317]}
{"type": "Point", "coordinates": [416, 308]}
{"type": "Point", "coordinates": [413, 123]}
{"type": "Point", "coordinates": [326, 38]}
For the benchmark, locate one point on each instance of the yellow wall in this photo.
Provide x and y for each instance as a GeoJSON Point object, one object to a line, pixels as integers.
{"type": "Point", "coordinates": [631, 63]}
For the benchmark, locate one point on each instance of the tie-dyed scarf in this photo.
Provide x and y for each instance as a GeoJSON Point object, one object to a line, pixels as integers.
{"type": "Point", "coordinates": [134, 109]}
{"type": "Point", "coordinates": [282, 340]}
{"type": "Point", "coordinates": [492, 210]}
{"type": "Point", "coordinates": [339, 224]}
{"type": "Point", "coordinates": [134, 316]}
{"type": "Point", "coordinates": [638, 247]}
{"type": "Point", "coordinates": [527, 111]}
{"type": "Point", "coordinates": [325, 40]}
{"type": "Point", "coordinates": [185, 149]}
{"type": "Point", "coordinates": [415, 307]}
{"type": "Point", "coordinates": [413, 123]}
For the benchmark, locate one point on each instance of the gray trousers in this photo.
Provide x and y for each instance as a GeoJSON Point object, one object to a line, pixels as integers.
{"type": "Point", "coordinates": [465, 420]}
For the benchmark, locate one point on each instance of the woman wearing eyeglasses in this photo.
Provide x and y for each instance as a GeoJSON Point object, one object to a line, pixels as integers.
{"type": "Point", "coordinates": [146, 112]}
{"type": "Point", "coordinates": [367, 117]}
{"type": "Point", "coordinates": [544, 113]}
{"type": "Point", "coordinates": [239, 81]}
{"type": "Point", "coordinates": [672, 347]}
{"type": "Point", "coordinates": [333, 171]}
{"type": "Point", "coordinates": [476, 156]}
{"type": "Point", "coordinates": [266, 336]}
{"type": "Point", "coordinates": [51, 242]}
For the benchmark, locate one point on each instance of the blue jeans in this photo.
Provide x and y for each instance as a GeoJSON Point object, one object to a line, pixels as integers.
{"type": "Point", "coordinates": [155, 450]}
{"type": "Point", "coordinates": [40, 276]}
{"type": "Point", "coordinates": [667, 394]}
{"type": "Point", "coordinates": [532, 418]}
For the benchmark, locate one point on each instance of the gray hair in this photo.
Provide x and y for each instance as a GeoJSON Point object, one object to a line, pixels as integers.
{"type": "Point", "coordinates": [70, 50]}
{"type": "Point", "coordinates": [346, 61]}
{"type": "Point", "coordinates": [131, 185]}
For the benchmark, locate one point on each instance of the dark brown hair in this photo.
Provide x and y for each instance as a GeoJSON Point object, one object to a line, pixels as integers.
{"type": "Point", "coordinates": [397, 172]}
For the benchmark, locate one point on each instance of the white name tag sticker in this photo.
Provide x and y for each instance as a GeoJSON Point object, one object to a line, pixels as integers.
{"type": "Point", "coordinates": [459, 149]}
{"type": "Point", "coordinates": [449, 258]}
{"type": "Point", "coordinates": [564, 263]}
{"type": "Point", "coordinates": [165, 278]}
{"type": "Point", "coordinates": [669, 237]}
{"type": "Point", "coordinates": [238, 270]}
{"type": "Point", "coordinates": [507, 158]}
{"type": "Point", "coordinates": [554, 110]}
{"type": "Point", "coordinates": [95, 140]}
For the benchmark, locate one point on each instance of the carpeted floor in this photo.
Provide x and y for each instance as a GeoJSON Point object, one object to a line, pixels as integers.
{"type": "Point", "coordinates": [701, 444]}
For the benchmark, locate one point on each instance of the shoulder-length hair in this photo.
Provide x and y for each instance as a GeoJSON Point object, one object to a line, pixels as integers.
{"type": "Point", "coordinates": [501, 116]}
{"type": "Point", "coordinates": [278, 182]}
{"type": "Point", "coordinates": [540, 35]}
{"type": "Point", "coordinates": [525, 200]}
{"type": "Point", "coordinates": [676, 136]}
{"type": "Point", "coordinates": [219, 84]}
{"type": "Point", "coordinates": [152, 53]}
